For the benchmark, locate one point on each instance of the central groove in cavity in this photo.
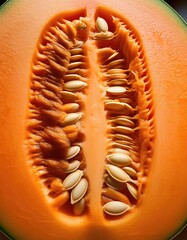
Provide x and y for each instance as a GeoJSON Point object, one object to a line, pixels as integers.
{"type": "Point", "coordinates": [94, 146]}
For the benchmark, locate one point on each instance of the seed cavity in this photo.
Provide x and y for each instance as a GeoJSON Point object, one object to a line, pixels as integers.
{"type": "Point", "coordinates": [60, 83]}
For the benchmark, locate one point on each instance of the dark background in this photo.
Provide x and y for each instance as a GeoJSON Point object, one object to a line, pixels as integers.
{"type": "Point", "coordinates": [181, 7]}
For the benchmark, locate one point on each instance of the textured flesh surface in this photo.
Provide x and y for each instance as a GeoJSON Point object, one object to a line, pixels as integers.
{"type": "Point", "coordinates": [24, 210]}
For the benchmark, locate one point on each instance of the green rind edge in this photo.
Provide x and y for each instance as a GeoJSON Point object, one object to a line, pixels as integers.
{"type": "Point", "coordinates": [2, 5]}
{"type": "Point", "coordinates": [175, 14]}
{"type": "Point", "coordinates": [6, 234]}
{"type": "Point", "coordinates": [178, 231]}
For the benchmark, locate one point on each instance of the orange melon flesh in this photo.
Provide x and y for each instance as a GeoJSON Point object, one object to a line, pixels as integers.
{"type": "Point", "coordinates": [24, 212]}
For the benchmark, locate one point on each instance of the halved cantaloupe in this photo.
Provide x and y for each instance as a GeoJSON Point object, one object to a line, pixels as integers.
{"type": "Point", "coordinates": [93, 120]}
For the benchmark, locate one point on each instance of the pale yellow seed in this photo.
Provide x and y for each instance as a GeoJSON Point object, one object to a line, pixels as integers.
{"type": "Point", "coordinates": [78, 208]}
{"type": "Point", "coordinates": [70, 107]}
{"type": "Point", "coordinates": [72, 179]}
{"type": "Point", "coordinates": [124, 142]}
{"type": "Point", "coordinates": [103, 36]}
{"type": "Point", "coordinates": [101, 24]}
{"type": "Point", "coordinates": [120, 150]}
{"type": "Point", "coordinates": [70, 77]}
{"type": "Point", "coordinates": [78, 43]}
{"type": "Point", "coordinates": [123, 137]}
{"type": "Point", "coordinates": [124, 122]}
{"type": "Point", "coordinates": [80, 25]}
{"type": "Point", "coordinates": [75, 85]}
{"type": "Point", "coordinates": [126, 100]}
{"type": "Point", "coordinates": [128, 107]}
{"type": "Point", "coordinates": [68, 96]}
{"type": "Point", "coordinates": [119, 145]}
{"type": "Point", "coordinates": [116, 76]}
{"type": "Point", "coordinates": [119, 159]}
{"type": "Point", "coordinates": [117, 173]}
{"type": "Point", "coordinates": [115, 71]}
{"type": "Point", "coordinates": [74, 65]}
{"type": "Point", "coordinates": [116, 90]}
{"type": "Point", "coordinates": [124, 130]}
{"type": "Point", "coordinates": [76, 50]}
{"type": "Point", "coordinates": [72, 118]}
{"type": "Point", "coordinates": [112, 57]}
{"type": "Point", "coordinates": [133, 191]}
{"type": "Point", "coordinates": [75, 57]}
{"type": "Point", "coordinates": [73, 166]}
{"type": "Point", "coordinates": [117, 82]}
{"type": "Point", "coordinates": [79, 191]}
{"type": "Point", "coordinates": [114, 106]}
{"type": "Point", "coordinates": [115, 63]}
{"type": "Point", "coordinates": [130, 171]}
{"type": "Point", "coordinates": [125, 109]}
{"type": "Point", "coordinates": [72, 152]}
{"type": "Point", "coordinates": [115, 208]}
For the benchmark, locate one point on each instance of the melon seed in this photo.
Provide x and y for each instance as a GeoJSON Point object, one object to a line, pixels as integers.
{"type": "Point", "coordinates": [103, 36]}
{"type": "Point", "coordinates": [72, 179]}
{"type": "Point", "coordinates": [124, 122]}
{"type": "Point", "coordinates": [70, 107]}
{"type": "Point", "coordinates": [119, 159]}
{"type": "Point", "coordinates": [116, 208]}
{"type": "Point", "coordinates": [74, 85]}
{"type": "Point", "coordinates": [74, 65]}
{"type": "Point", "coordinates": [68, 96]}
{"type": "Point", "coordinates": [115, 195]}
{"type": "Point", "coordinates": [79, 191]}
{"type": "Point", "coordinates": [101, 24]}
{"type": "Point", "coordinates": [133, 191]}
{"type": "Point", "coordinates": [117, 173]}
{"type": "Point", "coordinates": [114, 106]}
{"type": "Point", "coordinates": [72, 118]}
{"type": "Point", "coordinates": [72, 152]}
{"type": "Point", "coordinates": [130, 171]}
{"type": "Point", "coordinates": [112, 183]}
{"type": "Point", "coordinates": [117, 82]}
{"type": "Point", "coordinates": [78, 208]}
{"type": "Point", "coordinates": [116, 90]}
{"type": "Point", "coordinates": [124, 130]}
{"type": "Point", "coordinates": [72, 166]}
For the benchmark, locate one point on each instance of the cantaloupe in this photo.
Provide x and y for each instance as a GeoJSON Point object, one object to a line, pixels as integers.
{"type": "Point", "coordinates": [93, 120]}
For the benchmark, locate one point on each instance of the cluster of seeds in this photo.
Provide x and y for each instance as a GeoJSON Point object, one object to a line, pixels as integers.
{"type": "Point", "coordinates": [121, 183]}
{"type": "Point", "coordinates": [55, 138]}
{"type": "Point", "coordinates": [55, 115]}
